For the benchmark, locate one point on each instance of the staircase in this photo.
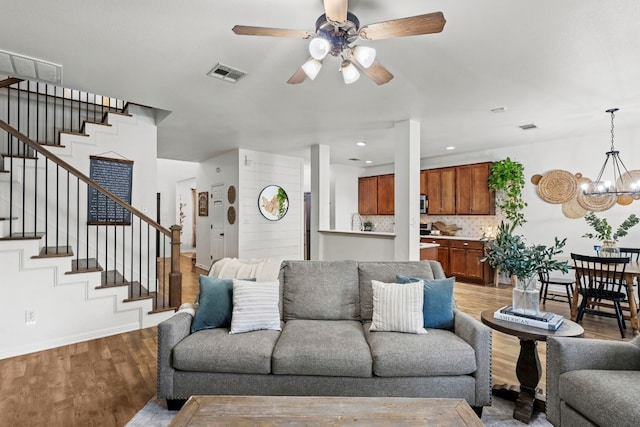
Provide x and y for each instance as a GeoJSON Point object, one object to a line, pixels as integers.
{"type": "Point", "coordinates": [66, 279]}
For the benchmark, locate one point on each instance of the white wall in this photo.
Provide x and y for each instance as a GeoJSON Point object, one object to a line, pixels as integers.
{"type": "Point", "coordinates": [257, 236]}
{"type": "Point", "coordinates": [344, 185]}
{"type": "Point", "coordinates": [169, 172]}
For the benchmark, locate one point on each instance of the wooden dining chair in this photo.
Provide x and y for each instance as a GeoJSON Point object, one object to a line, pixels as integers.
{"type": "Point", "coordinates": [634, 256]}
{"type": "Point", "coordinates": [601, 279]}
{"type": "Point", "coordinates": [546, 280]}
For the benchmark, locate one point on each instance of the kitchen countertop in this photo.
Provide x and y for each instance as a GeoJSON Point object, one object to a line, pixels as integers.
{"type": "Point", "coordinates": [360, 233]}
{"type": "Point", "coordinates": [452, 237]}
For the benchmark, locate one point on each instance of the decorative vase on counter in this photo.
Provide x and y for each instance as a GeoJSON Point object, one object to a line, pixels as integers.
{"type": "Point", "coordinates": [526, 296]}
{"type": "Point", "coordinates": [609, 249]}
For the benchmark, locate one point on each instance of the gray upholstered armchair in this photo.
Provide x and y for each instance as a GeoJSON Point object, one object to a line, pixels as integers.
{"type": "Point", "coordinates": [593, 382]}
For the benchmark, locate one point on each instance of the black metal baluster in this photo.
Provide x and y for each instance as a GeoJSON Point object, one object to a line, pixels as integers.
{"type": "Point", "coordinates": [57, 205]}
{"type": "Point", "coordinates": [46, 201]}
{"type": "Point", "coordinates": [68, 213]}
{"type": "Point", "coordinates": [148, 260]}
{"type": "Point", "coordinates": [78, 220]}
{"type": "Point", "coordinates": [140, 254]}
{"type": "Point", "coordinates": [35, 195]}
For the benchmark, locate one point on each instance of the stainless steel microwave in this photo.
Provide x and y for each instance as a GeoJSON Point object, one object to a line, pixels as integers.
{"type": "Point", "coordinates": [424, 203]}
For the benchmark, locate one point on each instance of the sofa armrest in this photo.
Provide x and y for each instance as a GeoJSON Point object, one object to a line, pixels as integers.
{"type": "Point", "coordinates": [570, 354]}
{"type": "Point", "coordinates": [170, 333]}
{"type": "Point", "coordinates": [477, 336]}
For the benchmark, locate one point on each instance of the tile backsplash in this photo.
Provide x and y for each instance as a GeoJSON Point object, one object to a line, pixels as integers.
{"type": "Point", "coordinates": [472, 226]}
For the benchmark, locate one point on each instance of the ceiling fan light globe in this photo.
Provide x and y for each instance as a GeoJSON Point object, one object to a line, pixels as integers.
{"type": "Point", "coordinates": [319, 48]}
{"type": "Point", "coordinates": [365, 55]}
{"type": "Point", "coordinates": [350, 73]}
{"type": "Point", "coordinates": [311, 68]}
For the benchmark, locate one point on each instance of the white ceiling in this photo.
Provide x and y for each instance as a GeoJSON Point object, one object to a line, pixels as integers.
{"type": "Point", "coordinates": [558, 64]}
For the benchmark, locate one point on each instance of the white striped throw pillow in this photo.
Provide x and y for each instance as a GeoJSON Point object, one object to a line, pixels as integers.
{"type": "Point", "coordinates": [255, 306]}
{"type": "Point", "coordinates": [398, 307]}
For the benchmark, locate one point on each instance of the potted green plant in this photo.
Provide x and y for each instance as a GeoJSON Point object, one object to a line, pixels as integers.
{"type": "Point", "coordinates": [604, 233]}
{"type": "Point", "coordinates": [510, 253]}
{"type": "Point", "coordinates": [367, 226]}
{"type": "Point", "coordinates": [506, 178]}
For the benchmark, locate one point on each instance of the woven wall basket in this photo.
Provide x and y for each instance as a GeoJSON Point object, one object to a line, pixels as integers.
{"type": "Point", "coordinates": [557, 186]}
{"type": "Point", "coordinates": [595, 203]}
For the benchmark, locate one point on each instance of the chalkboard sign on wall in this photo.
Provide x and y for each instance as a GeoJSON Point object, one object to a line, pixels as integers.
{"type": "Point", "coordinates": [116, 176]}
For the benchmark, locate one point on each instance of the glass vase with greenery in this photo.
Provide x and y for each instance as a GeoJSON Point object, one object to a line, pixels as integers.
{"type": "Point", "coordinates": [603, 232]}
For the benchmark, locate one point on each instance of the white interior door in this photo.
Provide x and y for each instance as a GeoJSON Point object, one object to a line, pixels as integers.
{"type": "Point", "coordinates": [216, 213]}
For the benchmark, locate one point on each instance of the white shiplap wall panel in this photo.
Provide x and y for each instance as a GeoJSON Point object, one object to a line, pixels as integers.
{"type": "Point", "coordinates": [259, 237]}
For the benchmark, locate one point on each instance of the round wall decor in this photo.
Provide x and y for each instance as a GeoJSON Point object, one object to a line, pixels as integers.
{"type": "Point", "coordinates": [231, 215]}
{"type": "Point", "coordinates": [231, 194]}
{"type": "Point", "coordinates": [273, 202]}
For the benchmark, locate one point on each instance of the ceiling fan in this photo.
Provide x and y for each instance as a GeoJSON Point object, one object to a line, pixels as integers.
{"type": "Point", "coordinates": [336, 31]}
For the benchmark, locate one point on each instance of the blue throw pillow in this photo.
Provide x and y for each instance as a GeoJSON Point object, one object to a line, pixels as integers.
{"type": "Point", "coordinates": [437, 309]}
{"type": "Point", "coordinates": [215, 304]}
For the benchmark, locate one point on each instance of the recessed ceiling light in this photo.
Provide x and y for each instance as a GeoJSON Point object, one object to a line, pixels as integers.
{"type": "Point", "coordinates": [528, 126]}
{"type": "Point", "coordinates": [451, 147]}
{"type": "Point", "coordinates": [368, 161]}
{"type": "Point", "coordinates": [361, 143]}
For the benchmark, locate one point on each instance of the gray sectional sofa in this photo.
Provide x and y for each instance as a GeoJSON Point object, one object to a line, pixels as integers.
{"type": "Point", "coordinates": [325, 347]}
{"type": "Point", "coordinates": [593, 382]}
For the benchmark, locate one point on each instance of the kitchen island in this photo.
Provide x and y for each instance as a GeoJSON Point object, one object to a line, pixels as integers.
{"type": "Point", "coordinates": [366, 246]}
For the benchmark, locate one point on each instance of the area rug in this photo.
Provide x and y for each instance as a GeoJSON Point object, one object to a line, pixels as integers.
{"type": "Point", "coordinates": [500, 413]}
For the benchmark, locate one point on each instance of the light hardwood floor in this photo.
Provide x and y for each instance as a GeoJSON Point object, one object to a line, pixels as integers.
{"type": "Point", "coordinates": [104, 382]}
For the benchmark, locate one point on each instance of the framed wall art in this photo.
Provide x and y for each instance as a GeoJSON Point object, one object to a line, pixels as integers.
{"type": "Point", "coordinates": [203, 203]}
{"type": "Point", "coordinates": [273, 202]}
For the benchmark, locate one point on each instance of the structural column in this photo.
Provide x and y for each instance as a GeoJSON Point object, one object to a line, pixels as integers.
{"type": "Point", "coordinates": [320, 194]}
{"type": "Point", "coordinates": [407, 190]}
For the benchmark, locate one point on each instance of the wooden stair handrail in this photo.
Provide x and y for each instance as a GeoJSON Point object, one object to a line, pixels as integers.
{"type": "Point", "coordinates": [9, 81]}
{"type": "Point", "coordinates": [57, 160]}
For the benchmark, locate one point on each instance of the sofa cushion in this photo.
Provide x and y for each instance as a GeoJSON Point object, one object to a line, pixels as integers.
{"type": "Point", "coordinates": [319, 347]}
{"type": "Point", "coordinates": [386, 272]}
{"type": "Point", "coordinates": [255, 306]}
{"type": "Point", "coordinates": [605, 397]}
{"type": "Point", "coordinates": [214, 304]}
{"type": "Point", "coordinates": [320, 290]}
{"type": "Point", "coordinates": [440, 352]}
{"type": "Point", "coordinates": [215, 350]}
{"type": "Point", "coordinates": [437, 308]}
{"type": "Point", "coordinates": [397, 307]}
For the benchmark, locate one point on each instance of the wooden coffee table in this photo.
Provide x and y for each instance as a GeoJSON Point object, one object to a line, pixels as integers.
{"type": "Point", "coordinates": [528, 365]}
{"type": "Point", "coordinates": [323, 411]}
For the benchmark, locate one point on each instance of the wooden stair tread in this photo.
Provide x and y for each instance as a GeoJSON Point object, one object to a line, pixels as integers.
{"type": "Point", "coordinates": [162, 310]}
{"type": "Point", "coordinates": [50, 144]}
{"type": "Point", "coordinates": [25, 236]}
{"type": "Point", "coordinates": [19, 156]}
{"type": "Point", "coordinates": [54, 251]}
{"type": "Point", "coordinates": [92, 122]}
{"type": "Point", "coordinates": [68, 132]}
{"type": "Point", "coordinates": [112, 279]}
{"type": "Point", "coordinates": [6, 218]}
{"type": "Point", "coordinates": [84, 266]}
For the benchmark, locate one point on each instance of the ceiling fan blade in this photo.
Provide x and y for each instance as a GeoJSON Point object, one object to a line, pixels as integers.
{"type": "Point", "coordinates": [297, 77]}
{"type": "Point", "coordinates": [245, 30]}
{"type": "Point", "coordinates": [412, 26]}
{"type": "Point", "coordinates": [376, 72]}
{"type": "Point", "coordinates": [336, 10]}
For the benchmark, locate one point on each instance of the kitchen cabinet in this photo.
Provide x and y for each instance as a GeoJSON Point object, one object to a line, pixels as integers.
{"type": "Point", "coordinates": [368, 195]}
{"type": "Point", "coordinates": [441, 189]}
{"type": "Point", "coordinates": [423, 181]}
{"type": "Point", "coordinates": [465, 264]}
{"type": "Point", "coordinates": [461, 258]}
{"type": "Point", "coordinates": [386, 195]}
{"type": "Point", "coordinates": [472, 191]}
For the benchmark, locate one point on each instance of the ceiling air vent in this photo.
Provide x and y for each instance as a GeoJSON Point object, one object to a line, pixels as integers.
{"type": "Point", "coordinates": [528, 126]}
{"type": "Point", "coordinates": [25, 67]}
{"type": "Point", "coordinates": [226, 73]}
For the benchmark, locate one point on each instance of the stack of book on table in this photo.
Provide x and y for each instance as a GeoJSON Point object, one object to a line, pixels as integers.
{"type": "Point", "coordinates": [543, 319]}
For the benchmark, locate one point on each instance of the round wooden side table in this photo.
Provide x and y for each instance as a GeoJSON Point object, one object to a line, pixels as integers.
{"type": "Point", "coordinates": [528, 368]}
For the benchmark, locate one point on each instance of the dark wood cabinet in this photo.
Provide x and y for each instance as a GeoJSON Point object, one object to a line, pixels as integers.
{"type": "Point", "coordinates": [368, 195]}
{"type": "Point", "coordinates": [443, 252]}
{"type": "Point", "coordinates": [423, 181]}
{"type": "Point", "coordinates": [472, 191]}
{"type": "Point", "coordinates": [441, 189]}
{"type": "Point", "coordinates": [386, 195]}
{"type": "Point", "coordinates": [465, 261]}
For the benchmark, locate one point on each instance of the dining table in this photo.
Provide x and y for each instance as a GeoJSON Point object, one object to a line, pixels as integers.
{"type": "Point", "coordinates": [631, 271]}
